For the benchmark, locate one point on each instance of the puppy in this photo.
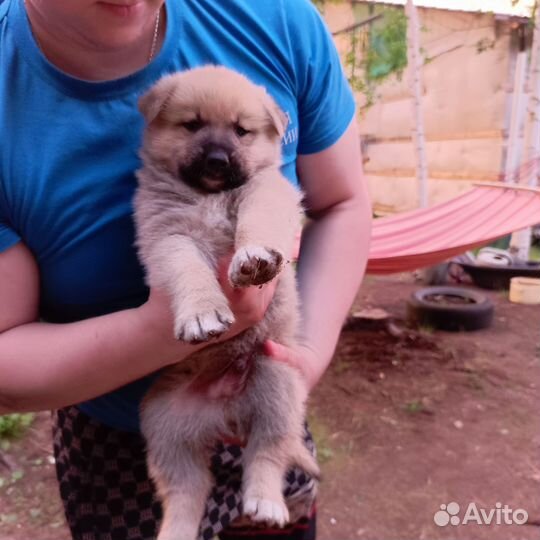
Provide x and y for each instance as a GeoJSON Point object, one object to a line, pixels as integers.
{"type": "Point", "coordinates": [211, 186]}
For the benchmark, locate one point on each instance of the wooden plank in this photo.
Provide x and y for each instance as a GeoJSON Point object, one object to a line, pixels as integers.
{"type": "Point", "coordinates": [508, 185]}
{"type": "Point", "coordinates": [436, 175]}
{"type": "Point", "coordinates": [463, 136]}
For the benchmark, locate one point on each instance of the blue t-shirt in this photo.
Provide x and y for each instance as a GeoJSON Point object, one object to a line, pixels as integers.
{"type": "Point", "coordinates": [69, 147]}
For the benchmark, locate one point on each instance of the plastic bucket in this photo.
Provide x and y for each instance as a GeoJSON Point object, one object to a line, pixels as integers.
{"type": "Point", "coordinates": [525, 290]}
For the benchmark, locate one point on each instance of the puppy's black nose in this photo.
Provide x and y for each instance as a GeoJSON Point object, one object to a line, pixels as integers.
{"type": "Point", "coordinates": [217, 160]}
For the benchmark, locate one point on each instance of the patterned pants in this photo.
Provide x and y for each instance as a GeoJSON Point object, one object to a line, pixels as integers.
{"type": "Point", "coordinates": [108, 495]}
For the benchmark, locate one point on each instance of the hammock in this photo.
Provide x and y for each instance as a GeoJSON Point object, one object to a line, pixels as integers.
{"type": "Point", "coordinates": [428, 236]}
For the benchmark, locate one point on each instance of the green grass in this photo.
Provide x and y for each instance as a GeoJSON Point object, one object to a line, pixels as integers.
{"type": "Point", "coordinates": [535, 253]}
{"type": "Point", "coordinates": [414, 407]}
{"type": "Point", "coordinates": [426, 329]}
{"type": "Point", "coordinates": [13, 425]}
{"type": "Point", "coordinates": [321, 436]}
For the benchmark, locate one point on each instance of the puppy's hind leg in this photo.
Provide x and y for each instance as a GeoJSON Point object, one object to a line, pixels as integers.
{"type": "Point", "coordinates": [276, 399]}
{"type": "Point", "coordinates": [178, 463]}
{"type": "Point", "coordinates": [184, 495]}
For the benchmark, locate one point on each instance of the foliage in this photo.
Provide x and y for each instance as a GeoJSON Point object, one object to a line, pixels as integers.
{"type": "Point", "coordinates": [388, 51]}
{"type": "Point", "coordinates": [375, 52]}
{"type": "Point", "coordinates": [13, 425]}
{"type": "Point", "coordinates": [320, 3]}
{"type": "Point", "coordinates": [382, 55]}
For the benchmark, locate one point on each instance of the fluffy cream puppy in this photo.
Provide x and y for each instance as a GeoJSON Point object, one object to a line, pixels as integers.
{"type": "Point", "coordinates": [211, 186]}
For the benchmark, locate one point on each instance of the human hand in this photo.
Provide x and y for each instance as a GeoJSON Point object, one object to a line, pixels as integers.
{"type": "Point", "coordinates": [301, 357]}
{"type": "Point", "coordinates": [248, 304]}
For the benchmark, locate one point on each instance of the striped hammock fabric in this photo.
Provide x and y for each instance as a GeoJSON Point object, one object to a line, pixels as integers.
{"type": "Point", "coordinates": [428, 236]}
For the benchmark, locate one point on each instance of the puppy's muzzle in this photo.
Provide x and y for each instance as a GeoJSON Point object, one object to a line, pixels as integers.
{"type": "Point", "coordinates": [214, 169]}
{"type": "Point", "coordinates": [216, 162]}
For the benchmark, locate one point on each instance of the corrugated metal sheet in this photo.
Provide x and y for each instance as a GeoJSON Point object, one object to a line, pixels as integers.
{"type": "Point", "coordinates": [501, 7]}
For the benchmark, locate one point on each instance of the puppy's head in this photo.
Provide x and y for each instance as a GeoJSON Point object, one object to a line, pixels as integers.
{"type": "Point", "coordinates": [211, 128]}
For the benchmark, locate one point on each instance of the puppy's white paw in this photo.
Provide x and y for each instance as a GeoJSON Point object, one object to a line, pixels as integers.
{"type": "Point", "coordinates": [266, 511]}
{"type": "Point", "coordinates": [254, 265]}
{"type": "Point", "coordinates": [204, 326]}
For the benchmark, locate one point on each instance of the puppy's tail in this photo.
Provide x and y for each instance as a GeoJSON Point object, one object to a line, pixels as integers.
{"type": "Point", "coordinates": [303, 458]}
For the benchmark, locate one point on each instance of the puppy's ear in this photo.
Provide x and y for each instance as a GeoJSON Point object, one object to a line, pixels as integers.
{"type": "Point", "coordinates": [277, 116]}
{"type": "Point", "coordinates": [155, 100]}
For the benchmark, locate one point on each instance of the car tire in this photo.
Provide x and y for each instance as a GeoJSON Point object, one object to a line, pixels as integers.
{"type": "Point", "coordinates": [468, 309]}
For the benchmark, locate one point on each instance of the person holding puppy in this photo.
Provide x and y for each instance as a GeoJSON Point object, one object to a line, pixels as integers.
{"type": "Point", "coordinates": [77, 323]}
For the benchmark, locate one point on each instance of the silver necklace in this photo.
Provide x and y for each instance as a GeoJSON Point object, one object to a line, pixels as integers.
{"type": "Point", "coordinates": [155, 37]}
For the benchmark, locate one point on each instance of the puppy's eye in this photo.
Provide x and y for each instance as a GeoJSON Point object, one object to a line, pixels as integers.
{"type": "Point", "coordinates": [240, 131]}
{"type": "Point", "coordinates": [193, 125]}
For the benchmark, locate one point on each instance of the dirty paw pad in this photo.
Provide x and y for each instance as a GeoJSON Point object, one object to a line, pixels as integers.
{"type": "Point", "coordinates": [254, 265]}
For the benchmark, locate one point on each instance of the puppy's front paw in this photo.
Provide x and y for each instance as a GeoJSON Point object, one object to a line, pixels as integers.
{"type": "Point", "coordinates": [254, 265]}
{"type": "Point", "coordinates": [204, 326]}
{"type": "Point", "coordinates": [266, 511]}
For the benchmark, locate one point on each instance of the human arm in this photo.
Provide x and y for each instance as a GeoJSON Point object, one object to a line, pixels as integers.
{"type": "Point", "coordinates": [45, 365]}
{"type": "Point", "coordinates": [333, 253]}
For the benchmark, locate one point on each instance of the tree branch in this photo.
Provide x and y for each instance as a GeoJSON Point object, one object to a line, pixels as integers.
{"type": "Point", "coordinates": [357, 25]}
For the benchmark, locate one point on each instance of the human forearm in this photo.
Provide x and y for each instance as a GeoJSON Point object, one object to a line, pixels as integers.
{"type": "Point", "coordinates": [335, 243]}
{"type": "Point", "coordinates": [331, 266]}
{"type": "Point", "coordinates": [70, 363]}
{"type": "Point", "coordinates": [47, 366]}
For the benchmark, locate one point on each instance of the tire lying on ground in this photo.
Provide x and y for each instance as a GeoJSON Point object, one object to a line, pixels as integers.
{"type": "Point", "coordinates": [450, 308]}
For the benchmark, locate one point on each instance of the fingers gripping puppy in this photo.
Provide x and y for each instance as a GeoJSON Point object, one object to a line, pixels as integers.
{"type": "Point", "coordinates": [211, 185]}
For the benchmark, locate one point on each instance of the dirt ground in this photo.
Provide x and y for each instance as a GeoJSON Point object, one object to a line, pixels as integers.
{"type": "Point", "coordinates": [404, 423]}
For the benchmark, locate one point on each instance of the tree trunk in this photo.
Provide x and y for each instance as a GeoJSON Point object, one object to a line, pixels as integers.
{"type": "Point", "coordinates": [520, 243]}
{"type": "Point", "coordinates": [415, 71]}
{"type": "Point", "coordinates": [513, 147]}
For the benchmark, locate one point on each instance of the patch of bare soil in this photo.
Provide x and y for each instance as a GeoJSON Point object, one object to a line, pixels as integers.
{"type": "Point", "coordinates": [410, 422]}
{"type": "Point", "coordinates": [405, 422]}
{"type": "Point", "coordinates": [30, 507]}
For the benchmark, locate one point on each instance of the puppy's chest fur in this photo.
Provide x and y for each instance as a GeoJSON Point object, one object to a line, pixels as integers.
{"type": "Point", "coordinates": [209, 220]}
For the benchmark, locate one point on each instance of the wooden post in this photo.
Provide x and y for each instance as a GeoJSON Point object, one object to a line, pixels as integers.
{"type": "Point", "coordinates": [415, 70]}
{"type": "Point", "coordinates": [533, 108]}
{"type": "Point", "coordinates": [520, 243]}
{"type": "Point", "coordinates": [516, 119]}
